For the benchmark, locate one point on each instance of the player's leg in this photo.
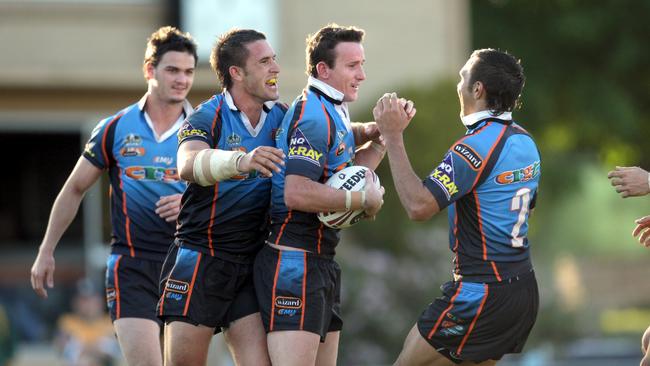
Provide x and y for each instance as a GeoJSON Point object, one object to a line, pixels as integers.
{"type": "Point", "coordinates": [328, 350]}
{"type": "Point", "coordinates": [246, 340]}
{"type": "Point", "coordinates": [293, 347]}
{"type": "Point", "coordinates": [417, 351]}
{"type": "Point", "coordinates": [139, 340]}
{"type": "Point", "coordinates": [186, 344]}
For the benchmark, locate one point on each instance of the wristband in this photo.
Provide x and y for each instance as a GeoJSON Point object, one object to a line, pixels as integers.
{"type": "Point", "coordinates": [363, 199]}
{"type": "Point", "coordinates": [348, 200]}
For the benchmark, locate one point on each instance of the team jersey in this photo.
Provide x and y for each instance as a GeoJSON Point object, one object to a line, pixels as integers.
{"type": "Point", "coordinates": [317, 140]}
{"type": "Point", "coordinates": [141, 169]}
{"type": "Point", "coordinates": [230, 218]}
{"type": "Point", "coordinates": [489, 180]}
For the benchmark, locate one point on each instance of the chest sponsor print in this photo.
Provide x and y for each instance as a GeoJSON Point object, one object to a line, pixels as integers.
{"type": "Point", "coordinates": [519, 175]}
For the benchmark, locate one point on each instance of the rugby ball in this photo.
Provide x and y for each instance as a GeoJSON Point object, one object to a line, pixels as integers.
{"type": "Point", "coordinates": [352, 178]}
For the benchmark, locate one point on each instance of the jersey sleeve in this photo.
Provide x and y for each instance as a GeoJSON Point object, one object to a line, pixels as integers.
{"type": "Point", "coordinates": [99, 146]}
{"type": "Point", "coordinates": [198, 126]}
{"type": "Point", "coordinates": [456, 175]}
{"type": "Point", "coordinates": [307, 150]}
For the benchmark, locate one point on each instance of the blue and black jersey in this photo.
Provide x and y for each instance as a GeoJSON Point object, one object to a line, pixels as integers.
{"type": "Point", "coordinates": [489, 180]}
{"type": "Point", "coordinates": [230, 218]}
{"type": "Point", "coordinates": [141, 169]}
{"type": "Point", "coordinates": [318, 141]}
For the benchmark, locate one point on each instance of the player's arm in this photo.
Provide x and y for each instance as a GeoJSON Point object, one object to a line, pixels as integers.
{"type": "Point", "coordinates": [303, 194]}
{"type": "Point", "coordinates": [630, 181]}
{"type": "Point", "coordinates": [198, 163]}
{"type": "Point", "coordinates": [364, 132]}
{"type": "Point", "coordinates": [370, 154]}
{"type": "Point", "coordinates": [64, 210]}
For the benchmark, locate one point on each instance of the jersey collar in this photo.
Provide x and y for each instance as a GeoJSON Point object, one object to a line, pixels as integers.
{"type": "Point", "coordinates": [267, 106]}
{"type": "Point", "coordinates": [473, 118]}
{"type": "Point", "coordinates": [325, 90]}
{"type": "Point", "coordinates": [187, 110]}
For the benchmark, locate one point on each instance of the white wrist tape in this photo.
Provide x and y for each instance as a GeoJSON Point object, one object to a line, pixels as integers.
{"type": "Point", "coordinates": [363, 199]}
{"type": "Point", "coordinates": [348, 200]}
{"type": "Point", "coordinates": [212, 166]}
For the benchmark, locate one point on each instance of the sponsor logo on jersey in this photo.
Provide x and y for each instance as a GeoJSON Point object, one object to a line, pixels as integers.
{"type": "Point", "coordinates": [340, 134]}
{"type": "Point", "coordinates": [443, 175]}
{"type": "Point", "coordinates": [519, 175]}
{"type": "Point", "coordinates": [467, 153]}
{"type": "Point", "coordinates": [177, 286]}
{"type": "Point", "coordinates": [132, 140]}
{"type": "Point", "coordinates": [173, 296]}
{"type": "Point", "coordinates": [110, 294]}
{"type": "Point", "coordinates": [188, 131]}
{"type": "Point", "coordinates": [168, 160]}
{"type": "Point", "coordinates": [152, 173]}
{"type": "Point", "coordinates": [287, 312]}
{"type": "Point", "coordinates": [300, 148]}
{"type": "Point", "coordinates": [88, 149]}
{"type": "Point", "coordinates": [340, 149]}
{"type": "Point", "coordinates": [233, 140]}
{"type": "Point", "coordinates": [131, 151]}
{"type": "Point", "coordinates": [286, 302]}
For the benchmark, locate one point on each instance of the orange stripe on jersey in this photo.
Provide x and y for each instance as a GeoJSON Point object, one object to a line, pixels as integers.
{"type": "Point", "coordinates": [327, 116]}
{"type": "Point", "coordinates": [442, 315]}
{"type": "Point", "coordinates": [320, 236]}
{"type": "Point", "coordinates": [216, 116]}
{"type": "Point", "coordinates": [471, 326]}
{"type": "Point", "coordinates": [127, 221]}
{"type": "Point", "coordinates": [104, 137]}
{"type": "Point", "coordinates": [480, 225]}
{"type": "Point", "coordinates": [284, 224]}
{"type": "Point", "coordinates": [496, 271]}
{"type": "Point", "coordinates": [212, 211]}
{"type": "Point", "coordinates": [117, 287]}
{"type": "Point", "coordinates": [275, 284]}
{"type": "Point", "coordinates": [189, 294]}
{"type": "Point", "coordinates": [304, 290]}
{"type": "Point", "coordinates": [489, 154]}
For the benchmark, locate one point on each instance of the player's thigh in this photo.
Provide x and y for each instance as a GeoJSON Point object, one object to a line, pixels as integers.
{"type": "Point", "coordinates": [139, 340]}
{"type": "Point", "coordinates": [328, 351]}
{"type": "Point", "coordinates": [293, 347]}
{"type": "Point", "coordinates": [186, 344]}
{"type": "Point", "coordinates": [246, 340]}
{"type": "Point", "coordinates": [417, 351]}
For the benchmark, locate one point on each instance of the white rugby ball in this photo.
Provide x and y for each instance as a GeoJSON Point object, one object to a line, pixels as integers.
{"type": "Point", "coordinates": [352, 178]}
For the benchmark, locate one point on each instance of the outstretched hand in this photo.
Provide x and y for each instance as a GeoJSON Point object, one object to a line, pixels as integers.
{"type": "Point", "coordinates": [264, 159]}
{"type": "Point", "coordinates": [629, 181]}
{"type": "Point", "coordinates": [642, 231]}
{"type": "Point", "coordinates": [393, 114]}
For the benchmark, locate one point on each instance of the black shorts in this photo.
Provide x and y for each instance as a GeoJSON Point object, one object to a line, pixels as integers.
{"type": "Point", "coordinates": [205, 290]}
{"type": "Point", "coordinates": [132, 287]}
{"type": "Point", "coordinates": [298, 291]}
{"type": "Point", "coordinates": [478, 322]}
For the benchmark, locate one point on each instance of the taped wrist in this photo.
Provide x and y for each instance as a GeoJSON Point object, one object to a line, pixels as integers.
{"type": "Point", "coordinates": [213, 165]}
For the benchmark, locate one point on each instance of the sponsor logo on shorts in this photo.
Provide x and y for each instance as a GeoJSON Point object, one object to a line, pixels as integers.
{"type": "Point", "coordinates": [300, 148]}
{"type": "Point", "coordinates": [286, 302]}
{"type": "Point", "coordinates": [131, 151]}
{"type": "Point", "coordinates": [519, 175]}
{"type": "Point", "coordinates": [467, 153]}
{"type": "Point", "coordinates": [443, 175]}
{"type": "Point", "coordinates": [177, 286]}
{"type": "Point", "coordinates": [110, 294]}
{"type": "Point", "coordinates": [132, 140]}
{"type": "Point", "coordinates": [188, 131]}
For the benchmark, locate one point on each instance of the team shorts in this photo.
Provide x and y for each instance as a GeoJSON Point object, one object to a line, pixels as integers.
{"type": "Point", "coordinates": [478, 321]}
{"type": "Point", "coordinates": [298, 290]}
{"type": "Point", "coordinates": [206, 290]}
{"type": "Point", "coordinates": [132, 287]}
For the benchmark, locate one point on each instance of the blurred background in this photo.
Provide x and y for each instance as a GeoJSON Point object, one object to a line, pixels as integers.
{"type": "Point", "coordinates": [64, 65]}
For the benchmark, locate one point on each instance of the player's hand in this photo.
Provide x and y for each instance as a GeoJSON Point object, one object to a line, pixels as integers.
{"type": "Point", "coordinates": [629, 181]}
{"type": "Point", "coordinates": [390, 115]}
{"type": "Point", "coordinates": [264, 159]}
{"type": "Point", "coordinates": [642, 231]}
{"type": "Point", "coordinates": [374, 197]}
{"type": "Point", "coordinates": [168, 207]}
{"type": "Point", "coordinates": [43, 273]}
{"type": "Point", "coordinates": [409, 108]}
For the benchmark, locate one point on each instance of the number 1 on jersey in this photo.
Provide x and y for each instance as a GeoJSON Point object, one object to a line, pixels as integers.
{"type": "Point", "coordinates": [519, 203]}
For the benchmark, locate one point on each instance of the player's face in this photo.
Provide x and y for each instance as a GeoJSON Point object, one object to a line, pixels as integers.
{"type": "Point", "coordinates": [463, 88]}
{"type": "Point", "coordinates": [347, 74]}
{"type": "Point", "coordinates": [172, 79]}
{"type": "Point", "coordinates": [261, 72]}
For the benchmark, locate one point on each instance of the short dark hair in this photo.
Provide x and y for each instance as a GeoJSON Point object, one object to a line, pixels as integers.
{"type": "Point", "coordinates": [167, 39]}
{"type": "Point", "coordinates": [230, 50]}
{"type": "Point", "coordinates": [502, 76]}
{"type": "Point", "coordinates": [320, 46]}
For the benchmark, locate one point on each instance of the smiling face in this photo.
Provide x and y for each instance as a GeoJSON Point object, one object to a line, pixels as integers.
{"type": "Point", "coordinates": [347, 73]}
{"type": "Point", "coordinates": [171, 80]}
{"type": "Point", "coordinates": [260, 73]}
